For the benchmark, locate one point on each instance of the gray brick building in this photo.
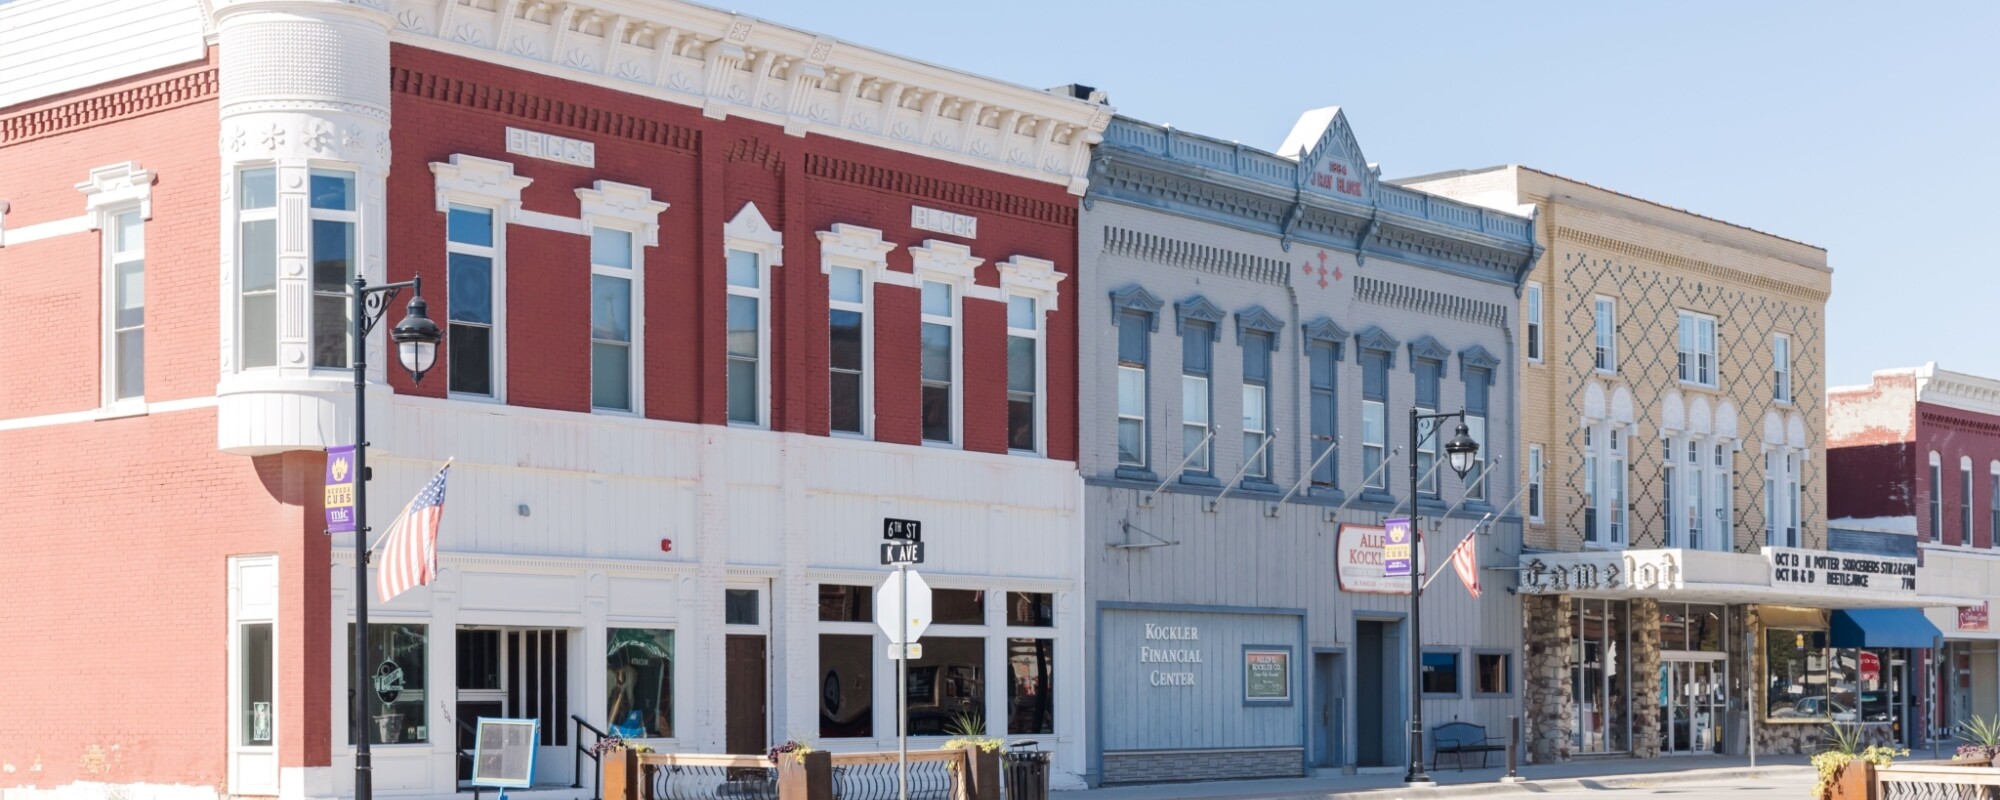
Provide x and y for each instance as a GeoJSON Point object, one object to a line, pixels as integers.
{"type": "Point", "coordinates": [1255, 329]}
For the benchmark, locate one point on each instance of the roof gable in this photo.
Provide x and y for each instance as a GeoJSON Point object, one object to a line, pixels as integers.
{"type": "Point", "coordinates": [1330, 159]}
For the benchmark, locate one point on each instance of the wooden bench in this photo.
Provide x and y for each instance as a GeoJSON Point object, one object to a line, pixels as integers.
{"type": "Point", "coordinates": [1461, 739]}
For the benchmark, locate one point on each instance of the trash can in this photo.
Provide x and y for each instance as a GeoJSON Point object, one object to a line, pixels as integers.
{"type": "Point", "coordinates": [1027, 773]}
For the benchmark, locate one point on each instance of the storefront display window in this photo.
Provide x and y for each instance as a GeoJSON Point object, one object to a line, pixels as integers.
{"type": "Point", "coordinates": [1441, 674]}
{"type": "Point", "coordinates": [947, 687]}
{"type": "Point", "coordinates": [395, 684]}
{"type": "Point", "coordinates": [958, 607]}
{"type": "Point", "coordinates": [1495, 673]}
{"type": "Point", "coordinates": [257, 708]}
{"type": "Point", "coordinates": [846, 683]}
{"type": "Point", "coordinates": [640, 681]}
{"type": "Point", "coordinates": [1807, 682]}
{"type": "Point", "coordinates": [1030, 691]}
{"type": "Point", "coordinates": [1796, 682]}
{"type": "Point", "coordinates": [839, 603]}
{"type": "Point", "coordinates": [1601, 678]}
{"type": "Point", "coordinates": [1031, 610]}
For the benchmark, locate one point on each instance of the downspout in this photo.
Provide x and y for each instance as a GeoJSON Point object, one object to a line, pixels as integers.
{"type": "Point", "coordinates": [1292, 297]}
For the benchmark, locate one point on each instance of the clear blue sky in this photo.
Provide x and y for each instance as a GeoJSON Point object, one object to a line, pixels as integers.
{"type": "Point", "coordinates": [1872, 130]}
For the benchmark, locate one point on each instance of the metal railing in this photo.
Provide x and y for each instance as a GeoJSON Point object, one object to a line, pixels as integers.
{"type": "Point", "coordinates": [576, 762]}
{"type": "Point", "coordinates": [934, 775]}
{"type": "Point", "coordinates": [1936, 781]}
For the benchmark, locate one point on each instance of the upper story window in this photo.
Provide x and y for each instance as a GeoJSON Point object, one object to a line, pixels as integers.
{"type": "Point", "coordinates": [333, 262]}
{"type": "Point", "coordinates": [1724, 496]}
{"type": "Point", "coordinates": [1534, 321]}
{"type": "Point", "coordinates": [1024, 374]}
{"type": "Point", "coordinates": [1590, 488]}
{"type": "Point", "coordinates": [747, 344]}
{"type": "Point", "coordinates": [1781, 497]}
{"type": "Point", "coordinates": [939, 337]}
{"type": "Point", "coordinates": [1256, 404]}
{"type": "Point", "coordinates": [1937, 498]}
{"type": "Point", "coordinates": [1781, 368]}
{"type": "Point", "coordinates": [847, 343]}
{"type": "Point", "coordinates": [1965, 501]}
{"type": "Point", "coordinates": [1133, 329]}
{"type": "Point", "coordinates": [471, 273]}
{"type": "Point", "coordinates": [1993, 505]}
{"type": "Point", "coordinates": [125, 335]}
{"type": "Point", "coordinates": [612, 256]}
{"type": "Point", "coordinates": [1534, 483]}
{"type": "Point", "coordinates": [1605, 323]}
{"type": "Point", "coordinates": [1615, 483]}
{"type": "Point", "coordinates": [1478, 385]}
{"type": "Point", "coordinates": [1429, 373]}
{"type": "Point", "coordinates": [1374, 416]}
{"type": "Point", "coordinates": [1320, 358]}
{"type": "Point", "coordinates": [257, 262]}
{"type": "Point", "coordinates": [1697, 349]}
{"type": "Point", "coordinates": [1197, 337]}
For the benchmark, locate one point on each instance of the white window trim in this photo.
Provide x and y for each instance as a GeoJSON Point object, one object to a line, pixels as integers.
{"type": "Point", "coordinates": [749, 232]}
{"type": "Point", "coordinates": [1600, 449]}
{"type": "Point", "coordinates": [856, 247]}
{"type": "Point", "coordinates": [1934, 509]}
{"type": "Point", "coordinates": [1038, 280]}
{"type": "Point", "coordinates": [359, 237]}
{"type": "Point", "coordinates": [235, 257]}
{"type": "Point", "coordinates": [1785, 367]}
{"type": "Point", "coordinates": [108, 192]}
{"type": "Point", "coordinates": [951, 264]}
{"type": "Point", "coordinates": [1536, 301]}
{"type": "Point", "coordinates": [496, 342]}
{"type": "Point", "coordinates": [1598, 321]}
{"type": "Point", "coordinates": [1966, 526]}
{"type": "Point", "coordinates": [1714, 356]}
{"type": "Point", "coordinates": [1535, 469]}
{"type": "Point", "coordinates": [628, 208]}
{"type": "Point", "coordinates": [1040, 443]}
{"type": "Point", "coordinates": [491, 185]}
{"type": "Point", "coordinates": [252, 604]}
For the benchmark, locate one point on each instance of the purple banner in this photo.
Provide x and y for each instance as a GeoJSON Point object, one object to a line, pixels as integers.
{"type": "Point", "coordinates": [1396, 547]}
{"type": "Point", "coordinates": [340, 489]}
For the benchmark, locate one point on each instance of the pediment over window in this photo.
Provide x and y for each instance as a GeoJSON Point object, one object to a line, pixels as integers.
{"type": "Point", "coordinates": [1425, 347]}
{"type": "Point", "coordinates": [1374, 338]}
{"type": "Point", "coordinates": [1200, 309]}
{"type": "Point", "coordinates": [1324, 329]}
{"type": "Point", "coordinates": [1255, 318]}
{"type": "Point", "coordinates": [1133, 297]}
{"type": "Point", "coordinates": [748, 230]}
{"type": "Point", "coordinates": [1476, 357]}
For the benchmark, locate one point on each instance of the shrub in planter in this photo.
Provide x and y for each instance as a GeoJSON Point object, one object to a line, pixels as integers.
{"type": "Point", "coordinates": [1845, 766]}
{"type": "Point", "coordinates": [1982, 741]}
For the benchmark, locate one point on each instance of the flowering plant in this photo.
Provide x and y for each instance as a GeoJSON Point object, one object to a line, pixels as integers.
{"type": "Point", "coordinates": [608, 744]}
{"type": "Point", "coordinates": [797, 750]}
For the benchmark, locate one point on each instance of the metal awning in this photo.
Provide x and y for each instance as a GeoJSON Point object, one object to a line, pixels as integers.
{"type": "Point", "coordinates": [1883, 627]}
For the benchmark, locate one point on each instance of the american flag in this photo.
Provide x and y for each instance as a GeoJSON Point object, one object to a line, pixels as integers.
{"type": "Point", "coordinates": [409, 549]}
{"type": "Point", "coordinates": [1465, 562]}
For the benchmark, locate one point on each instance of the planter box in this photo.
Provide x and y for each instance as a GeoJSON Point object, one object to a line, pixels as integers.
{"type": "Point", "coordinates": [620, 775]}
{"type": "Point", "coordinates": [1856, 781]}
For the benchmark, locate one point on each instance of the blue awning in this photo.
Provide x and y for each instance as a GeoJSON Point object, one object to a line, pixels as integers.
{"type": "Point", "coordinates": [1883, 627]}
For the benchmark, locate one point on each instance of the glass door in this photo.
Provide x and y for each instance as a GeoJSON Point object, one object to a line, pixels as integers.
{"type": "Point", "coordinates": [1693, 694]}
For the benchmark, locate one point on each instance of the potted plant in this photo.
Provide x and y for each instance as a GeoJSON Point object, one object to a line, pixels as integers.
{"type": "Point", "coordinates": [1982, 742]}
{"type": "Point", "coordinates": [802, 770]}
{"type": "Point", "coordinates": [1846, 768]}
{"type": "Point", "coordinates": [618, 758]}
{"type": "Point", "coordinates": [968, 732]}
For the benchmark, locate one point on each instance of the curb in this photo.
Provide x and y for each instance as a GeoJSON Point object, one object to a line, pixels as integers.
{"type": "Point", "coordinates": [1572, 784]}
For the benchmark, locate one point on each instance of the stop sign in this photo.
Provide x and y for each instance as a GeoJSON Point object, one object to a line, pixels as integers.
{"type": "Point", "coordinates": [889, 602]}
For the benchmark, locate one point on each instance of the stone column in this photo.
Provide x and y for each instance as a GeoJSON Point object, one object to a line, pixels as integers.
{"type": "Point", "coordinates": [1551, 716]}
{"type": "Point", "coordinates": [1645, 678]}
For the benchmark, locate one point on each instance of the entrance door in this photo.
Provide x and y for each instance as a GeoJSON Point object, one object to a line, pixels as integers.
{"type": "Point", "coordinates": [1328, 713]}
{"type": "Point", "coordinates": [1692, 697]}
{"type": "Point", "coordinates": [1378, 688]}
{"type": "Point", "coordinates": [516, 673]}
{"type": "Point", "coordinates": [745, 734]}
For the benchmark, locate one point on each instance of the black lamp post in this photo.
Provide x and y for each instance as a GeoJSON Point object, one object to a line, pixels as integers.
{"type": "Point", "coordinates": [416, 339]}
{"type": "Point", "coordinates": [1459, 452]}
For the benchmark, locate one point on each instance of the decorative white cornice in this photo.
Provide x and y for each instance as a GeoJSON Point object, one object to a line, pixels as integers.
{"type": "Point", "coordinates": [1031, 277]}
{"type": "Point", "coordinates": [729, 64]}
{"type": "Point", "coordinates": [749, 231]}
{"type": "Point", "coordinates": [622, 202]}
{"type": "Point", "coordinates": [946, 261]}
{"type": "Point", "coordinates": [1958, 390]}
{"type": "Point", "coordinates": [116, 185]}
{"type": "Point", "coordinates": [863, 249]}
{"type": "Point", "coordinates": [479, 181]}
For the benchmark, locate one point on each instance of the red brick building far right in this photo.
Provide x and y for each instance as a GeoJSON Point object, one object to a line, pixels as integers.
{"type": "Point", "coordinates": [1913, 462]}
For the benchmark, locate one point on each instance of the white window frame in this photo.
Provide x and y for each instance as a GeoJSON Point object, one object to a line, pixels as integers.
{"type": "Point", "coordinates": [861, 248]}
{"type": "Point", "coordinates": [1593, 489]}
{"type": "Point", "coordinates": [1936, 507]}
{"type": "Point", "coordinates": [1538, 496]}
{"type": "Point", "coordinates": [1037, 279]}
{"type": "Point", "coordinates": [1965, 526]}
{"type": "Point", "coordinates": [495, 337]}
{"type": "Point", "coordinates": [1617, 452]}
{"type": "Point", "coordinates": [253, 599]}
{"type": "Point", "coordinates": [245, 216]}
{"type": "Point", "coordinates": [1781, 367]}
{"type": "Point", "coordinates": [1695, 325]}
{"type": "Point", "coordinates": [1694, 455]}
{"type": "Point", "coordinates": [109, 192]}
{"type": "Point", "coordinates": [491, 185]}
{"type": "Point", "coordinates": [1041, 393]}
{"type": "Point", "coordinates": [628, 208]}
{"type": "Point", "coordinates": [1537, 347]}
{"type": "Point", "coordinates": [1723, 485]}
{"type": "Point", "coordinates": [352, 217]}
{"type": "Point", "coordinates": [950, 264]}
{"type": "Point", "coordinates": [1993, 505]}
{"type": "Point", "coordinates": [749, 232]}
{"type": "Point", "coordinates": [1795, 532]}
{"type": "Point", "coordinates": [1604, 327]}
{"type": "Point", "coordinates": [635, 399]}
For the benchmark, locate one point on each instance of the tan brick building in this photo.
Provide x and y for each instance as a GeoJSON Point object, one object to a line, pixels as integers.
{"type": "Point", "coordinates": [1673, 442]}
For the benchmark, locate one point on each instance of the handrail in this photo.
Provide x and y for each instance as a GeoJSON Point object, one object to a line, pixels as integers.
{"type": "Point", "coordinates": [576, 760]}
{"type": "Point", "coordinates": [707, 760]}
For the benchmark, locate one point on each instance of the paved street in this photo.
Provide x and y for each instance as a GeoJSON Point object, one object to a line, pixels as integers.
{"type": "Point", "coordinates": [1773, 787]}
{"type": "Point", "coordinates": [1780, 777]}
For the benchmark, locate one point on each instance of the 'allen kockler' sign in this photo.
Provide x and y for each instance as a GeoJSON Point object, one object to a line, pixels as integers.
{"type": "Point", "coordinates": [340, 489]}
{"type": "Point", "coordinates": [1186, 655]}
{"type": "Point", "coordinates": [1794, 567]}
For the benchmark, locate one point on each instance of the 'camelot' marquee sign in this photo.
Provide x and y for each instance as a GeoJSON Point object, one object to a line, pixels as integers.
{"type": "Point", "coordinates": [1562, 573]}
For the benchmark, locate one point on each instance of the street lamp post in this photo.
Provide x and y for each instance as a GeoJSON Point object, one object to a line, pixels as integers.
{"type": "Point", "coordinates": [1459, 451]}
{"type": "Point", "coordinates": [416, 339]}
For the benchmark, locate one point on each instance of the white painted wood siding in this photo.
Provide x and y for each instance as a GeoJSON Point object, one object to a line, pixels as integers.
{"type": "Point", "coordinates": [48, 47]}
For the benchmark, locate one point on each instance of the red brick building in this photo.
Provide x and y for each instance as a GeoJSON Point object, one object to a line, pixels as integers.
{"type": "Point", "coordinates": [720, 295]}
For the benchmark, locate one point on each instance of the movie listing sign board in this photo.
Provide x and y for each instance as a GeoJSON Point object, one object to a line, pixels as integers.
{"type": "Point", "coordinates": [1840, 571]}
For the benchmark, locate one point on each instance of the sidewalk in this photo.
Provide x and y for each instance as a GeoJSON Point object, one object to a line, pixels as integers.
{"type": "Point", "coordinates": [1584, 774]}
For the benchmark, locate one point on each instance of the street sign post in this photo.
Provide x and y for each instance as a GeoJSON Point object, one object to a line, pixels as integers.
{"type": "Point", "coordinates": [909, 597]}
{"type": "Point", "coordinates": [912, 618]}
{"type": "Point", "coordinates": [1396, 547]}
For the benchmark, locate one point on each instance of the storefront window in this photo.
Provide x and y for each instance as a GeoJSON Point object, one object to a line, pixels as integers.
{"type": "Point", "coordinates": [1031, 609]}
{"type": "Point", "coordinates": [958, 607]}
{"type": "Point", "coordinates": [257, 709]}
{"type": "Point", "coordinates": [1441, 674]}
{"type": "Point", "coordinates": [947, 687]}
{"type": "Point", "coordinates": [838, 603]}
{"type": "Point", "coordinates": [1496, 673]}
{"type": "Point", "coordinates": [846, 683]}
{"type": "Point", "coordinates": [1843, 696]}
{"type": "Point", "coordinates": [395, 683]}
{"type": "Point", "coordinates": [639, 678]}
{"type": "Point", "coordinates": [1694, 628]}
{"type": "Point", "coordinates": [1796, 675]}
{"type": "Point", "coordinates": [1601, 681]}
{"type": "Point", "coordinates": [1030, 693]}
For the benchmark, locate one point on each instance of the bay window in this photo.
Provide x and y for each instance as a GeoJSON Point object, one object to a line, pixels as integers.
{"type": "Point", "coordinates": [257, 260]}
{"type": "Point", "coordinates": [334, 254]}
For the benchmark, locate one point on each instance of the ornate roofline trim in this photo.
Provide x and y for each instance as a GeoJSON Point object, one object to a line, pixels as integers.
{"type": "Point", "coordinates": [1476, 357]}
{"type": "Point", "coordinates": [1255, 318]}
{"type": "Point", "coordinates": [1678, 261]}
{"type": "Point", "coordinates": [1134, 297]}
{"type": "Point", "coordinates": [1199, 308]}
{"type": "Point", "coordinates": [730, 64]}
{"type": "Point", "coordinates": [1429, 349]}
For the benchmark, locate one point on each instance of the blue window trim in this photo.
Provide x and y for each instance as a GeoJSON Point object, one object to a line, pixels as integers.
{"type": "Point", "coordinates": [1425, 348]}
{"type": "Point", "coordinates": [1255, 318]}
{"type": "Point", "coordinates": [1458, 669]}
{"type": "Point", "coordinates": [1136, 298]}
{"type": "Point", "coordinates": [1199, 308]}
{"type": "Point", "coordinates": [1513, 664]}
{"type": "Point", "coordinates": [1324, 329]}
